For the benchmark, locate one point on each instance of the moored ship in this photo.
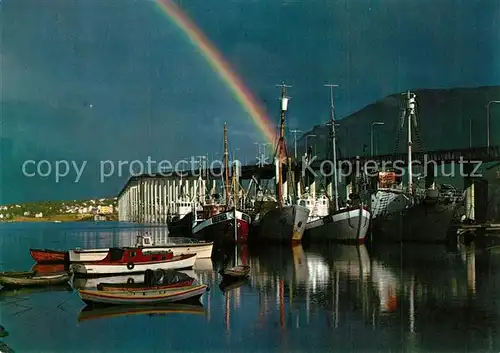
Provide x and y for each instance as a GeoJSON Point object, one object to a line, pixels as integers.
{"type": "Point", "coordinates": [223, 223]}
{"type": "Point", "coordinates": [286, 222]}
{"type": "Point", "coordinates": [409, 213]}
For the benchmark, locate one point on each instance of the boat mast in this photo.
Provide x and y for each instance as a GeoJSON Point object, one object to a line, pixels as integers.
{"type": "Point", "coordinates": [334, 147]}
{"type": "Point", "coordinates": [226, 167]}
{"type": "Point", "coordinates": [281, 142]}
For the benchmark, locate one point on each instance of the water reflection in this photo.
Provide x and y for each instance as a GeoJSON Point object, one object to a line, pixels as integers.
{"type": "Point", "coordinates": [92, 313]}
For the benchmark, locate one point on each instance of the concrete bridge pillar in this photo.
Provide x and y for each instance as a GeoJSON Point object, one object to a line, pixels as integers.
{"type": "Point", "coordinates": [476, 194]}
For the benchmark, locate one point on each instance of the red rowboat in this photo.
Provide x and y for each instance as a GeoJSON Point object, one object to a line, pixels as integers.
{"type": "Point", "coordinates": [44, 269]}
{"type": "Point", "coordinates": [49, 256]}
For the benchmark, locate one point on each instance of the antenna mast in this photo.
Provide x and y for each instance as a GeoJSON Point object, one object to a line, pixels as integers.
{"type": "Point", "coordinates": [281, 142]}
{"type": "Point", "coordinates": [334, 147]}
{"type": "Point", "coordinates": [410, 111]}
{"type": "Point", "coordinates": [226, 166]}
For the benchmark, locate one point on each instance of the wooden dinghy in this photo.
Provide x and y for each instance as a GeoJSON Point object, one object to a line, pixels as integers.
{"type": "Point", "coordinates": [22, 279]}
{"type": "Point", "coordinates": [157, 279]}
{"type": "Point", "coordinates": [44, 256]}
{"type": "Point", "coordinates": [92, 313]}
{"type": "Point", "coordinates": [239, 271]}
{"type": "Point", "coordinates": [151, 297]}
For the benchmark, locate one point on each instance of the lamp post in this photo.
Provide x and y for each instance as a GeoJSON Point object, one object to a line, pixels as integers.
{"type": "Point", "coordinates": [488, 122]}
{"type": "Point", "coordinates": [264, 153]}
{"type": "Point", "coordinates": [470, 133]}
{"type": "Point", "coordinates": [295, 132]}
{"type": "Point", "coordinates": [371, 135]}
{"type": "Point", "coordinates": [307, 145]}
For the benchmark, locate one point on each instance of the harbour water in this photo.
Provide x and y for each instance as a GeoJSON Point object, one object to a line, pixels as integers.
{"type": "Point", "coordinates": [426, 298]}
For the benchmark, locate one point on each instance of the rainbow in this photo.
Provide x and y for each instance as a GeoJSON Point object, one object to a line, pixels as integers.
{"type": "Point", "coordinates": [221, 67]}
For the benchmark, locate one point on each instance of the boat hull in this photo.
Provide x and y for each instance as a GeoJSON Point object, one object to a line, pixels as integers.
{"type": "Point", "coordinates": [182, 226]}
{"type": "Point", "coordinates": [201, 250]}
{"type": "Point", "coordinates": [286, 224]}
{"type": "Point", "coordinates": [141, 286]}
{"type": "Point", "coordinates": [349, 225]}
{"type": "Point", "coordinates": [49, 256]}
{"type": "Point", "coordinates": [108, 269]}
{"type": "Point", "coordinates": [170, 295]}
{"type": "Point", "coordinates": [422, 222]}
{"type": "Point", "coordinates": [17, 279]}
{"type": "Point", "coordinates": [86, 283]}
{"type": "Point", "coordinates": [220, 228]}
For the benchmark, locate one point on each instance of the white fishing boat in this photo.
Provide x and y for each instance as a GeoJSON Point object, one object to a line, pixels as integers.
{"type": "Point", "coordinates": [177, 245]}
{"type": "Point", "coordinates": [132, 260]}
{"type": "Point", "coordinates": [328, 221]}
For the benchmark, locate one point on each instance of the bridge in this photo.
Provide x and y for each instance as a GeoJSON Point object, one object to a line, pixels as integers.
{"type": "Point", "coordinates": [267, 171]}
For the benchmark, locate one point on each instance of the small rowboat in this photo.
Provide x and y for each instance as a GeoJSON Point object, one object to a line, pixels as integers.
{"type": "Point", "coordinates": [153, 296]}
{"type": "Point", "coordinates": [49, 256]}
{"type": "Point", "coordinates": [90, 313]}
{"type": "Point", "coordinates": [239, 271]}
{"type": "Point", "coordinates": [21, 279]}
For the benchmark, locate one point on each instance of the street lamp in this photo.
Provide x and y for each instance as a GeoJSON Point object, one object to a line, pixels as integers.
{"type": "Point", "coordinates": [264, 153]}
{"type": "Point", "coordinates": [295, 132]}
{"type": "Point", "coordinates": [371, 135]}
{"type": "Point", "coordinates": [307, 145]}
{"type": "Point", "coordinates": [488, 122]}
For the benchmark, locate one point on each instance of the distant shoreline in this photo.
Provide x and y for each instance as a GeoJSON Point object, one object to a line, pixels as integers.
{"type": "Point", "coordinates": [54, 218]}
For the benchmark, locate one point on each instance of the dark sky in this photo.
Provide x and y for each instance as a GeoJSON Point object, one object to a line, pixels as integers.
{"type": "Point", "coordinates": [115, 79]}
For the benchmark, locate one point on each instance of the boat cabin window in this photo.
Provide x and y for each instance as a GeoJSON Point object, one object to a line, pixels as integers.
{"type": "Point", "coordinates": [132, 254]}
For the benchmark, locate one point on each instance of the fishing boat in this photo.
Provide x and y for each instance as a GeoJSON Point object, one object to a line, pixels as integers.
{"type": "Point", "coordinates": [49, 256]}
{"type": "Point", "coordinates": [133, 260]}
{"type": "Point", "coordinates": [25, 279]}
{"type": "Point", "coordinates": [327, 220]}
{"type": "Point", "coordinates": [153, 296]}
{"type": "Point", "coordinates": [239, 271]}
{"type": "Point", "coordinates": [176, 245]}
{"type": "Point", "coordinates": [157, 279]}
{"type": "Point", "coordinates": [286, 222]}
{"type": "Point", "coordinates": [92, 313]}
{"type": "Point", "coordinates": [219, 220]}
{"type": "Point", "coordinates": [412, 212]}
